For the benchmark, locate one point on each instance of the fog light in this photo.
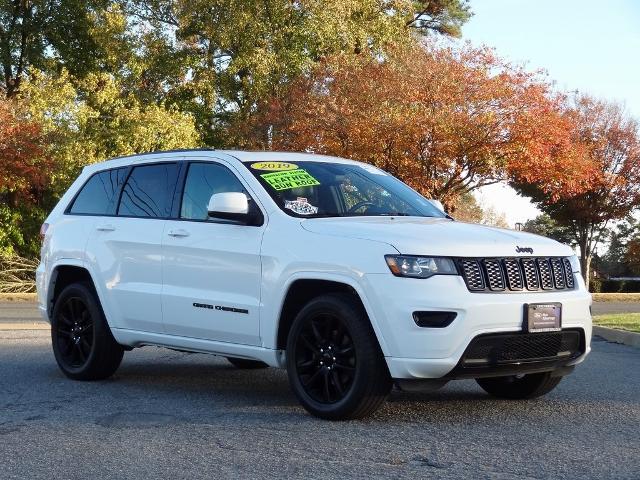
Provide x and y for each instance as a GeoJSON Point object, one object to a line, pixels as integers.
{"type": "Point", "coordinates": [434, 319]}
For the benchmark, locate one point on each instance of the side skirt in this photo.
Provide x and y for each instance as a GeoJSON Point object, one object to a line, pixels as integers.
{"type": "Point", "coordinates": [135, 338]}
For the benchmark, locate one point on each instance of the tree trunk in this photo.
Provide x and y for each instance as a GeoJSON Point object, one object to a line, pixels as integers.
{"type": "Point", "coordinates": [585, 261]}
{"type": "Point", "coordinates": [587, 271]}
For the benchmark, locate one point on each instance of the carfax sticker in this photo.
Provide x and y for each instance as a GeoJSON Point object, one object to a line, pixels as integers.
{"type": "Point", "coordinates": [301, 206]}
{"type": "Point", "coordinates": [290, 179]}
{"type": "Point", "coordinates": [274, 166]}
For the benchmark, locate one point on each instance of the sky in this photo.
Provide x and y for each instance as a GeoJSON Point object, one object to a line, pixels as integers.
{"type": "Point", "coordinates": [586, 45]}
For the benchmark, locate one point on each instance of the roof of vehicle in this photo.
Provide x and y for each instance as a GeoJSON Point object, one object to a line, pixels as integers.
{"type": "Point", "coordinates": [241, 155]}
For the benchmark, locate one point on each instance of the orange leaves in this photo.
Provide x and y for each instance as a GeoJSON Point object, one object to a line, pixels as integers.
{"type": "Point", "coordinates": [23, 169]}
{"type": "Point", "coordinates": [445, 120]}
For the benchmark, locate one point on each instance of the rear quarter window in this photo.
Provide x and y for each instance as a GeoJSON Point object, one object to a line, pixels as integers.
{"type": "Point", "coordinates": [97, 196]}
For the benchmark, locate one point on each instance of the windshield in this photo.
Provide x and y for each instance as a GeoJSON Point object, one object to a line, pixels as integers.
{"type": "Point", "coordinates": [319, 189]}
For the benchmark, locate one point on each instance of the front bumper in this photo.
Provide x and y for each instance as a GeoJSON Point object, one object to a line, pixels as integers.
{"type": "Point", "coordinates": [416, 352]}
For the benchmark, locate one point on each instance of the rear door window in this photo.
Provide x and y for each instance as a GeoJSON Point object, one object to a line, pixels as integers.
{"type": "Point", "coordinates": [149, 191]}
{"type": "Point", "coordinates": [97, 195]}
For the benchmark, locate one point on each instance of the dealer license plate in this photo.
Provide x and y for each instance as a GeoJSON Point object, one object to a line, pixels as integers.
{"type": "Point", "coordinates": [543, 317]}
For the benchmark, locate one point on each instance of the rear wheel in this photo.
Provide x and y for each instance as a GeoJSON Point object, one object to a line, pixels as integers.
{"type": "Point", "coordinates": [518, 387]}
{"type": "Point", "coordinates": [334, 362]}
{"type": "Point", "coordinates": [245, 364]}
{"type": "Point", "coordinates": [83, 345]}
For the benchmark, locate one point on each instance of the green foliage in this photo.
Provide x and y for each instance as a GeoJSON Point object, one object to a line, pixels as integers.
{"type": "Point", "coordinates": [546, 226]}
{"type": "Point", "coordinates": [619, 286]}
{"type": "Point", "coordinates": [93, 119]}
{"type": "Point", "coordinates": [219, 59]}
{"type": "Point", "coordinates": [104, 78]}
{"type": "Point", "coordinates": [615, 262]}
{"type": "Point", "coordinates": [595, 285]}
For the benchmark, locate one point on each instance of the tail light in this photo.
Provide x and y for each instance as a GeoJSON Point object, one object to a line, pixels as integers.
{"type": "Point", "coordinates": [43, 230]}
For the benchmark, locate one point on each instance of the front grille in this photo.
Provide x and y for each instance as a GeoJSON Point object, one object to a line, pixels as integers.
{"type": "Point", "coordinates": [517, 274]}
{"type": "Point", "coordinates": [501, 348]}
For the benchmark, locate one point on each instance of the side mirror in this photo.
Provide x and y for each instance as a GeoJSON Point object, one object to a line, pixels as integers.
{"type": "Point", "coordinates": [230, 206]}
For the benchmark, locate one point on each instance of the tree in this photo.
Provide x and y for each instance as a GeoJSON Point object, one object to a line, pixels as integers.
{"type": "Point", "coordinates": [546, 226]}
{"type": "Point", "coordinates": [444, 120]}
{"type": "Point", "coordinates": [620, 259]}
{"type": "Point", "coordinates": [56, 126]}
{"type": "Point", "coordinates": [233, 53]}
{"type": "Point", "coordinates": [48, 34]}
{"type": "Point", "coordinates": [90, 120]}
{"type": "Point", "coordinates": [469, 210]}
{"type": "Point", "coordinates": [609, 141]}
{"type": "Point", "coordinates": [23, 165]}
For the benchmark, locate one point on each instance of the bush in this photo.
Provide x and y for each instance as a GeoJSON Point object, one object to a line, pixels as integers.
{"type": "Point", "coordinates": [17, 274]}
{"type": "Point", "coordinates": [595, 285]}
{"type": "Point", "coordinates": [619, 286]}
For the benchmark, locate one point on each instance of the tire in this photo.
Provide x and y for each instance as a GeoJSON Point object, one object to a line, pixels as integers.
{"type": "Point", "coordinates": [244, 364]}
{"type": "Point", "coordinates": [518, 388]}
{"type": "Point", "coordinates": [83, 345]}
{"type": "Point", "coordinates": [335, 366]}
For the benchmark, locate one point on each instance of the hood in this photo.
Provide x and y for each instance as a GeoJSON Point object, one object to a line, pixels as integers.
{"type": "Point", "coordinates": [439, 236]}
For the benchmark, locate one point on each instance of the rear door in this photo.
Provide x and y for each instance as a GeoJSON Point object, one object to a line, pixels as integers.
{"type": "Point", "coordinates": [211, 269]}
{"type": "Point", "coordinates": [125, 248]}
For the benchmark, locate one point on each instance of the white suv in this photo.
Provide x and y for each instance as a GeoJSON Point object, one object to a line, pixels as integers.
{"type": "Point", "coordinates": [331, 268]}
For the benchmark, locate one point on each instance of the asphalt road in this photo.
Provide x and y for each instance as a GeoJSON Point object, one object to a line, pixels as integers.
{"type": "Point", "coordinates": [174, 415]}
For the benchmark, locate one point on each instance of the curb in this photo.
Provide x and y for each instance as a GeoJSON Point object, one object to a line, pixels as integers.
{"type": "Point", "coordinates": [4, 327]}
{"type": "Point", "coordinates": [631, 339]}
{"type": "Point", "coordinates": [18, 297]}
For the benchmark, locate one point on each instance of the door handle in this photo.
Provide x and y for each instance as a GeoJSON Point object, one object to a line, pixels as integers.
{"type": "Point", "coordinates": [178, 233]}
{"type": "Point", "coordinates": [105, 228]}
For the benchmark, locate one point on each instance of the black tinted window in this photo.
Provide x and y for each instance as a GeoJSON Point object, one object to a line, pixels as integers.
{"type": "Point", "coordinates": [149, 191]}
{"type": "Point", "coordinates": [203, 180]}
{"type": "Point", "coordinates": [97, 194]}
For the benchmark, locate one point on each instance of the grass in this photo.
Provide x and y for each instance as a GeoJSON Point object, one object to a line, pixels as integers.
{"type": "Point", "coordinates": [621, 321]}
{"type": "Point", "coordinates": [616, 297]}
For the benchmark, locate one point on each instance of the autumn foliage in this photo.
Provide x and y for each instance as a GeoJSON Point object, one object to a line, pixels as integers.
{"type": "Point", "coordinates": [23, 166]}
{"type": "Point", "coordinates": [608, 141]}
{"type": "Point", "coordinates": [444, 120]}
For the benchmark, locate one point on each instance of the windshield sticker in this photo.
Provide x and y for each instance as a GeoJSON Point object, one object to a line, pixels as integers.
{"type": "Point", "coordinates": [301, 206]}
{"type": "Point", "coordinates": [289, 179]}
{"type": "Point", "coordinates": [274, 166]}
{"type": "Point", "coordinates": [371, 169]}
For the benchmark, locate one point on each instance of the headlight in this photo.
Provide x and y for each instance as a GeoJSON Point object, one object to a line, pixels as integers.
{"type": "Point", "coordinates": [575, 263]}
{"type": "Point", "coordinates": [420, 267]}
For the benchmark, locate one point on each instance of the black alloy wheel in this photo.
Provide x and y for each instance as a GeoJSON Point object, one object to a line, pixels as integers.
{"type": "Point", "coordinates": [325, 358]}
{"type": "Point", "coordinates": [74, 333]}
{"type": "Point", "coordinates": [334, 361]}
{"type": "Point", "coordinates": [83, 344]}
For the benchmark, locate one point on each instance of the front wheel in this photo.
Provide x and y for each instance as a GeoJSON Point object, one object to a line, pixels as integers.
{"type": "Point", "coordinates": [82, 341]}
{"type": "Point", "coordinates": [517, 387]}
{"type": "Point", "coordinates": [334, 362]}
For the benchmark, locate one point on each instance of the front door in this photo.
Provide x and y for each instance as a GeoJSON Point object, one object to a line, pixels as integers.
{"type": "Point", "coordinates": [211, 267]}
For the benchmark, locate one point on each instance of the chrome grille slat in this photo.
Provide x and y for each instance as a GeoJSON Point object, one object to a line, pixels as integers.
{"type": "Point", "coordinates": [517, 274]}
{"type": "Point", "coordinates": [568, 272]}
{"type": "Point", "coordinates": [531, 276]}
{"type": "Point", "coordinates": [545, 273]}
{"type": "Point", "coordinates": [514, 274]}
{"type": "Point", "coordinates": [557, 269]}
{"type": "Point", "coordinates": [473, 275]}
{"type": "Point", "coordinates": [495, 279]}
